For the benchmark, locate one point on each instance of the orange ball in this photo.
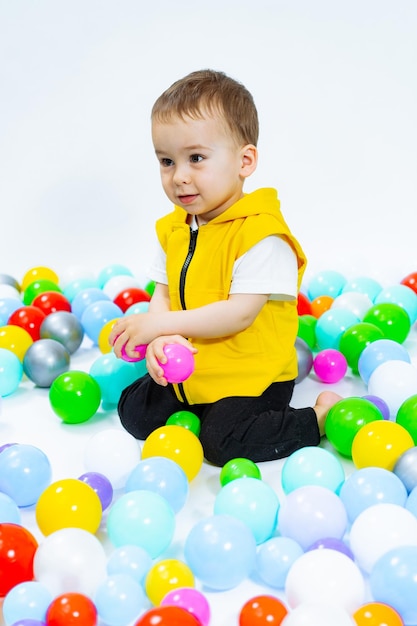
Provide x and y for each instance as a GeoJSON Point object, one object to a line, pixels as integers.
{"type": "Point", "coordinates": [377, 614]}
{"type": "Point", "coordinates": [320, 305]}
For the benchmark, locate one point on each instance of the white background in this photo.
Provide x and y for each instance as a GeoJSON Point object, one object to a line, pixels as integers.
{"type": "Point", "coordinates": [336, 88]}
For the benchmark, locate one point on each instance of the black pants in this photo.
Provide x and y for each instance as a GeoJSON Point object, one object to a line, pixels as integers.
{"type": "Point", "coordinates": [261, 428]}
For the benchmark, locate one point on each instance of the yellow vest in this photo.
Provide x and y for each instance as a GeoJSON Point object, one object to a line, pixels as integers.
{"type": "Point", "coordinates": [199, 269]}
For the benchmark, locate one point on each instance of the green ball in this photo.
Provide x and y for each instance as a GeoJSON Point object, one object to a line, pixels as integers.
{"type": "Point", "coordinates": [239, 468]}
{"type": "Point", "coordinates": [75, 396]}
{"type": "Point", "coordinates": [345, 419]}
{"type": "Point", "coordinates": [407, 416]}
{"type": "Point", "coordinates": [391, 318]}
{"type": "Point", "coordinates": [307, 329]}
{"type": "Point", "coordinates": [187, 420]}
{"type": "Point", "coordinates": [37, 287]}
{"type": "Point", "coordinates": [355, 339]}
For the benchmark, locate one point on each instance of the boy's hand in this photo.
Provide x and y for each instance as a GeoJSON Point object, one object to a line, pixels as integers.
{"type": "Point", "coordinates": [131, 331]}
{"type": "Point", "coordinates": [155, 355]}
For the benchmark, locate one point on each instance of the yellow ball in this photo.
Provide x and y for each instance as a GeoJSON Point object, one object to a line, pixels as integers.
{"type": "Point", "coordinates": [15, 339]}
{"type": "Point", "coordinates": [38, 273]}
{"type": "Point", "coordinates": [103, 338]}
{"type": "Point", "coordinates": [165, 576]}
{"type": "Point", "coordinates": [178, 444]}
{"type": "Point", "coordinates": [380, 444]}
{"type": "Point", "coordinates": [68, 503]}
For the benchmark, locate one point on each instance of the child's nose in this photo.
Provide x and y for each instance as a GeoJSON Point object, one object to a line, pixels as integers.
{"type": "Point", "coordinates": [181, 175]}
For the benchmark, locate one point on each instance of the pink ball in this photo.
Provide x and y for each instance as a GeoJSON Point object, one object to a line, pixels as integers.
{"type": "Point", "coordinates": [180, 363]}
{"type": "Point", "coordinates": [132, 359]}
{"type": "Point", "coordinates": [330, 365]}
{"type": "Point", "coordinates": [192, 601]}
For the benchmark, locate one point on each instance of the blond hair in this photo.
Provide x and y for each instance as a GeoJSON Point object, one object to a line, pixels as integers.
{"type": "Point", "coordinates": [212, 92]}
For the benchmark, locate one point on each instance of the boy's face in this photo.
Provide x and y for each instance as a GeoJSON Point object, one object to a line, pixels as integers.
{"type": "Point", "coordinates": [202, 167]}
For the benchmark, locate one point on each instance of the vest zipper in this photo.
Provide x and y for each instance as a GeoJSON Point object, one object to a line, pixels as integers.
{"type": "Point", "coordinates": [183, 274]}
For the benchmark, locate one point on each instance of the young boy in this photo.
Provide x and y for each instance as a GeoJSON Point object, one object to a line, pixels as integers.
{"type": "Point", "coordinates": [227, 277]}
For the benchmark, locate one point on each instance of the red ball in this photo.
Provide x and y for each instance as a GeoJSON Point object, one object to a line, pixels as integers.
{"type": "Point", "coordinates": [303, 305]}
{"type": "Point", "coordinates": [128, 297]}
{"type": "Point", "coordinates": [168, 616]}
{"type": "Point", "coordinates": [71, 609]}
{"type": "Point", "coordinates": [30, 318]}
{"type": "Point", "coordinates": [17, 551]}
{"type": "Point", "coordinates": [410, 281]}
{"type": "Point", "coordinates": [262, 611]}
{"type": "Point", "coordinates": [51, 302]}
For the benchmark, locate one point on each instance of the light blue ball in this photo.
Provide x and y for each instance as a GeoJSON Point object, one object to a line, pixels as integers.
{"type": "Point", "coordinates": [312, 466]}
{"type": "Point", "coordinates": [377, 353]}
{"type": "Point", "coordinates": [368, 486]}
{"type": "Point", "coordinates": [131, 560]}
{"type": "Point", "coordinates": [365, 285]}
{"type": "Point", "coordinates": [411, 503]}
{"type": "Point", "coordinates": [7, 307]}
{"type": "Point", "coordinates": [11, 372]}
{"type": "Point", "coordinates": [401, 295]}
{"type": "Point", "coordinates": [331, 325]}
{"type": "Point", "coordinates": [27, 600]}
{"type": "Point", "coordinates": [84, 298]}
{"type": "Point", "coordinates": [77, 285]}
{"type": "Point", "coordinates": [141, 518]}
{"type": "Point", "coordinates": [160, 475]}
{"type": "Point", "coordinates": [9, 511]}
{"type": "Point", "coordinates": [137, 307]}
{"type": "Point", "coordinates": [253, 502]}
{"type": "Point", "coordinates": [112, 375]}
{"type": "Point", "coordinates": [221, 551]}
{"type": "Point", "coordinates": [275, 558]}
{"type": "Point", "coordinates": [96, 315]}
{"type": "Point", "coordinates": [25, 472]}
{"type": "Point", "coordinates": [393, 580]}
{"type": "Point", "coordinates": [110, 271]}
{"type": "Point", "coordinates": [326, 283]}
{"type": "Point", "coordinates": [119, 600]}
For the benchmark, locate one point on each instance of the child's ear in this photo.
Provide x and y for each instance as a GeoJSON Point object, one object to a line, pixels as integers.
{"type": "Point", "coordinates": [249, 160]}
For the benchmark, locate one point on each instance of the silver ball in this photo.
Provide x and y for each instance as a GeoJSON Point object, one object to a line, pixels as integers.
{"type": "Point", "coordinates": [406, 468]}
{"type": "Point", "coordinates": [64, 327]}
{"type": "Point", "coordinates": [304, 358]}
{"type": "Point", "coordinates": [44, 360]}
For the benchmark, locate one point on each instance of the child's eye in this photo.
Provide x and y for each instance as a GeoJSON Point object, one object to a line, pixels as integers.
{"type": "Point", "coordinates": [166, 162]}
{"type": "Point", "coordinates": [196, 158]}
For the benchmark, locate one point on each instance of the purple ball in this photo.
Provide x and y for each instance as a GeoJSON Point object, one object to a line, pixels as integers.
{"type": "Point", "coordinates": [332, 543]}
{"type": "Point", "coordinates": [101, 485]}
{"type": "Point", "coordinates": [380, 404]}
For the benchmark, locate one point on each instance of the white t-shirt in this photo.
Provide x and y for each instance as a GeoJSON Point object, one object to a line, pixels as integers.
{"type": "Point", "coordinates": [269, 267]}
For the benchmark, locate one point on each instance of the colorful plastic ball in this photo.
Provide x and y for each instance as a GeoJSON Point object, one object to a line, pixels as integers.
{"type": "Point", "coordinates": [253, 502]}
{"type": "Point", "coordinates": [312, 465]}
{"type": "Point", "coordinates": [320, 305]}
{"type": "Point", "coordinates": [68, 503]}
{"type": "Point", "coordinates": [407, 416]}
{"type": "Point", "coordinates": [114, 453]}
{"type": "Point", "coordinates": [8, 291]}
{"type": "Point", "coordinates": [180, 363]}
{"type": "Point", "coordinates": [221, 551]}
{"type": "Point", "coordinates": [6, 279]}
{"type": "Point", "coordinates": [17, 549]}
{"type": "Point", "coordinates": [327, 282]}
{"type": "Point", "coordinates": [331, 543]}
{"type": "Point", "coordinates": [30, 318]}
{"type": "Point", "coordinates": [368, 486]}
{"type": "Point", "coordinates": [379, 352]}
{"type": "Point", "coordinates": [75, 396]}
{"type": "Point", "coordinates": [9, 511]}
{"type": "Point", "coordinates": [322, 574]}
{"type": "Point", "coordinates": [71, 609]}
{"type": "Point", "coordinates": [51, 302]}
{"type": "Point", "coordinates": [138, 307]}
{"type": "Point", "coordinates": [393, 582]}
{"type": "Point", "coordinates": [377, 614]}
{"type": "Point", "coordinates": [70, 560]}
{"type": "Point", "coordinates": [410, 281]}
{"type": "Point", "coordinates": [15, 339]}
{"type": "Point", "coordinates": [391, 319]}
{"type": "Point", "coordinates": [130, 296]}
{"type": "Point", "coordinates": [262, 610]}
{"type": "Point", "coordinates": [84, 298]}
{"type": "Point", "coordinates": [190, 599]}
{"type": "Point", "coordinates": [363, 284]}
{"type": "Point", "coordinates": [304, 359]}
{"type": "Point", "coordinates": [318, 614]}
{"type": "Point", "coordinates": [96, 315]}
{"type": "Point", "coordinates": [239, 468]}
{"type": "Point", "coordinates": [109, 271]}
{"type": "Point", "coordinates": [167, 616]}
{"type": "Point", "coordinates": [307, 330]}
{"type": "Point", "coordinates": [165, 576]}
{"type": "Point", "coordinates": [40, 272]}
{"type": "Point", "coordinates": [162, 476]}
{"type": "Point", "coordinates": [345, 419]}
{"type": "Point", "coordinates": [37, 287]}
{"type": "Point", "coordinates": [380, 404]}
{"type": "Point", "coordinates": [44, 360]}
{"type": "Point", "coordinates": [25, 471]}
{"type": "Point", "coordinates": [406, 468]}
{"type": "Point", "coordinates": [78, 284]}
{"type": "Point", "coordinates": [64, 327]}
{"type": "Point", "coordinates": [116, 284]}
{"type": "Point", "coordinates": [103, 338]}
{"type": "Point", "coordinates": [310, 513]}
{"type": "Point", "coordinates": [179, 445]}
{"type": "Point", "coordinates": [132, 560]}
{"type": "Point", "coordinates": [380, 444]}
{"type": "Point", "coordinates": [141, 518]}
{"type": "Point", "coordinates": [26, 600]}
{"type": "Point", "coordinates": [29, 622]}
{"type": "Point", "coordinates": [402, 295]}
{"type": "Point", "coordinates": [331, 326]}
{"type": "Point", "coordinates": [411, 503]}
{"type": "Point", "coordinates": [379, 529]}
{"type": "Point", "coordinates": [113, 375]}
{"type": "Point", "coordinates": [394, 382]}
{"type": "Point", "coordinates": [11, 372]}
{"type": "Point", "coordinates": [330, 365]}
{"type": "Point", "coordinates": [355, 339]}
{"type": "Point", "coordinates": [186, 419]}
{"type": "Point", "coordinates": [140, 349]}
{"type": "Point", "coordinates": [101, 485]}
{"type": "Point", "coordinates": [119, 599]}
{"type": "Point", "coordinates": [7, 307]}
{"type": "Point", "coordinates": [275, 558]}
{"type": "Point", "coordinates": [303, 304]}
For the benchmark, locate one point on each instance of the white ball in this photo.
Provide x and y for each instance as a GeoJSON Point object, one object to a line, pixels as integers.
{"type": "Point", "coordinates": [354, 301]}
{"type": "Point", "coordinates": [113, 453]}
{"type": "Point", "coordinates": [318, 615]}
{"type": "Point", "coordinates": [394, 382]}
{"type": "Point", "coordinates": [117, 284]}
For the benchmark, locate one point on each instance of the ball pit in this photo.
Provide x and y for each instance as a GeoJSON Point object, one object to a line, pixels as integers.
{"type": "Point", "coordinates": [339, 481]}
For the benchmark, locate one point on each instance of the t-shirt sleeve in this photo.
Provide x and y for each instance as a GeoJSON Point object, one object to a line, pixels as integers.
{"type": "Point", "coordinates": [157, 271]}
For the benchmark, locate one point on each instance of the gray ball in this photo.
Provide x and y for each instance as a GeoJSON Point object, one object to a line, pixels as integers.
{"type": "Point", "coordinates": [406, 468]}
{"type": "Point", "coordinates": [44, 360]}
{"type": "Point", "coordinates": [64, 327]}
{"type": "Point", "coordinates": [304, 358]}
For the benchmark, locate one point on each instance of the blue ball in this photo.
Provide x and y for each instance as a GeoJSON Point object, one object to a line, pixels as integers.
{"type": "Point", "coordinates": [377, 353]}
{"type": "Point", "coordinates": [401, 295]}
{"type": "Point", "coordinates": [119, 600]}
{"type": "Point", "coordinates": [9, 511]}
{"type": "Point", "coordinates": [110, 271]}
{"type": "Point", "coordinates": [84, 298]}
{"type": "Point", "coordinates": [25, 472]}
{"type": "Point", "coordinates": [163, 476]}
{"type": "Point", "coordinates": [11, 372]}
{"type": "Point", "coordinates": [131, 560]}
{"type": "Point", "coordinates": [26, 600]}
{"type": "Point", "coordinates": [112, 375]}
{"type": "Point", "coordinates": [275, 558]}
{"type": "Point", "coordinates": [326, 283]}
{"type": "Point", "coordinates": [96, 315]}
{"type": "Point", "coordinates": [331, 325]}
{"type": "Point", "coordinates": [363, 284]}
{"type": "Point", "coordinates": [7, 307]}
{"type": "Point", "coordinates": [312, 466]}
{"type": "Point", "coordinates": [221, 551]}
{"type": "Point", "coordinates": [77, 285]}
